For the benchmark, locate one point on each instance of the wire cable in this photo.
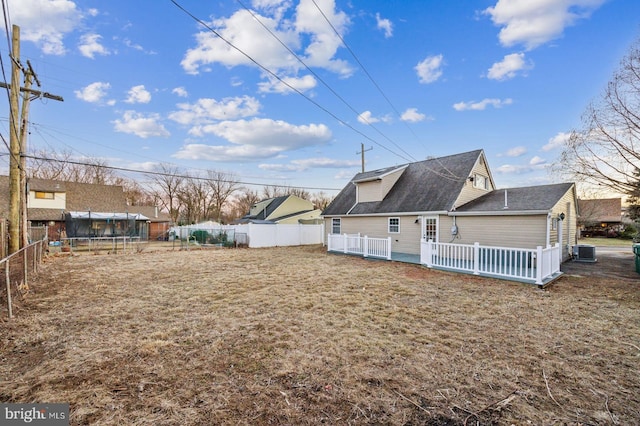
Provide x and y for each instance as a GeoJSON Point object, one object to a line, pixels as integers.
{"type": "Point", "coordinates": [250, 58]}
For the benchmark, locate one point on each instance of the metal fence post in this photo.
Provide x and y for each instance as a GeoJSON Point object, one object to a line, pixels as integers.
{"type": "Point", "coordinates": [8, 279]}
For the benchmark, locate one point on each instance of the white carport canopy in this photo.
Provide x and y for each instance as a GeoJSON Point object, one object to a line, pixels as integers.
{"type": "Point", "coordinates": [105, 216]}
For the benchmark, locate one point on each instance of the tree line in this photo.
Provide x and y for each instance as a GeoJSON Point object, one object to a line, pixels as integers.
{"type": "Point", "coordinates": [187, 197]}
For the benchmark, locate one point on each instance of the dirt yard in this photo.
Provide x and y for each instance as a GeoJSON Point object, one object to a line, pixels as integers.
{"type": "Point", "coordinates": [298, 336]}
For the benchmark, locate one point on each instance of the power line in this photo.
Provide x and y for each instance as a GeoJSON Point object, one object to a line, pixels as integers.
{"type": "Point", "coordinates": [267, 70]}
{"type": "Point", "coordinates": [322, 80]}
{"type": "Point", "coordinates": [154, 173]}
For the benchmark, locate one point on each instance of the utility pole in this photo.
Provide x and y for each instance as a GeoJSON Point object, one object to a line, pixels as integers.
{"type": "Point", "coordinates": [18, 143]}
{"type": "Point", "coordinates": [29, 76]}
{"type": "Point", "coordinates": [361, 152]}
{"type": "Point", "coordinates": [15, 191]}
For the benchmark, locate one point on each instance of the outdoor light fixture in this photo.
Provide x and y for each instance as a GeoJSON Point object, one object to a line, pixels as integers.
{"type": "Point", "coordinates": [561, 216]}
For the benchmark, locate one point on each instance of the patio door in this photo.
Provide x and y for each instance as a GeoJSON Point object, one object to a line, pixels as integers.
{"type": "Point", "coordinates": [430, 228]}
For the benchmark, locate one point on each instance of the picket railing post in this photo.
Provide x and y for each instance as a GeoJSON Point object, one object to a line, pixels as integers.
{"type": "Point", "coordinates": [365, 248]}
{"type": "Point", "coordinates": [476, 258]}
{"type": "Point", "coordinates": [539, 265]}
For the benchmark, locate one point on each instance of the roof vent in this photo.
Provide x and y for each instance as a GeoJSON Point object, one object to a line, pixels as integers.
{"type": "Point", "coordinates": [506, 201]}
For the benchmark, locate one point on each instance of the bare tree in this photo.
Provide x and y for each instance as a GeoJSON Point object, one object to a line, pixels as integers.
{"type": "Point", "coordinates": [605, 152]}
{"type": "Point", "coordinates": [166, 184]}
{"type": "Point", "coordinates": [242, 202]}
{"type": "Point", "coordinates": [321, 200]}
{"type": "Point", "coordinates": [222, 186]}
{"type": "Point", "coordinates": [62, 166]}
{"type": "Point", "coordinates": [195, 199]}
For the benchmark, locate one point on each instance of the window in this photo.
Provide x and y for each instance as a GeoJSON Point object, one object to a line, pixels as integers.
{"type": "Point", "coordinates": [394, 225]}
{"type": "Point", "coordinates": [480, 182]}
{"type": "Point", "coordinates": [44, 195]}
{"type": "Point", "coordinates": [335, 225]}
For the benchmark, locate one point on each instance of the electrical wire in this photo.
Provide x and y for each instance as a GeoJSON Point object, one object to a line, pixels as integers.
{"type": "Point", "coordinates": [322, 80]}
{"type": "Point", "coordinates": [375, 84]}
{"type": "Point", "coordinates": [273, 74]}
{"type": "Point", "coordinates": [154, 173]}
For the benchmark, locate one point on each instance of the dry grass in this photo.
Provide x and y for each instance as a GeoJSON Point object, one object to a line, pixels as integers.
{"type": "Point", "coordinates": [299, 336]}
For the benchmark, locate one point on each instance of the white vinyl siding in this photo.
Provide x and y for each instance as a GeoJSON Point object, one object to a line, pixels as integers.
{"type": "Point", "coordinates": [469, 190]}
{"type": "Point", "coordinates": [500, 231]}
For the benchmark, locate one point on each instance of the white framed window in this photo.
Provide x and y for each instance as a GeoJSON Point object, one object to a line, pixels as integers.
{"type": "Point", "coordinates": [430, 228]}
{"type": "Point", "coordinates": [394, 225]}
{"type": "Point", "coordinates": [480, 182]}
{"type": "Point", "coordinates": [336, 225]}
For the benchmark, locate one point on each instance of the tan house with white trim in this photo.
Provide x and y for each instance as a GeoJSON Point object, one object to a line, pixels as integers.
{"type": "Point", "coordinates": [453, 199]}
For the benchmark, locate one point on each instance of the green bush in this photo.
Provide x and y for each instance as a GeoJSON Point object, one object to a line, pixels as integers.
{"type": "Point", "coordinates": [629, 232]}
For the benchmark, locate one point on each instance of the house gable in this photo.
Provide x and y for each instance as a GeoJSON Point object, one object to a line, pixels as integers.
{"type": "Point", "coordinates": [479, 182]}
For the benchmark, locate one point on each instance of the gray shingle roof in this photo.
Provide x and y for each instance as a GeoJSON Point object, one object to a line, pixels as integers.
{"type": "Point", "coordinates": [79, 197]}
{"type": "Point", "coordinates": [425, 186]}
{"type": "Point", "coordinates": [529, 198]}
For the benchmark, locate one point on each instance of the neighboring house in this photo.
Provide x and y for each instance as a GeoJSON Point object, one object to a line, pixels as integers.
{"type": "Point", "coordinates": [72, 209]}
{"type": "Point", "coordinates": [288, 209]}
{"type": "Point", "coordinates": [159, 221]}
{"type": "Point", "coordinates": [600, 217]}
{"type": "Point", "coordinates": [453, 199]}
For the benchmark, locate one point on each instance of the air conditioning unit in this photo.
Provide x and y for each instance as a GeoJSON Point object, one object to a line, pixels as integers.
{"type": "Point", "coordinates": [584, 253]}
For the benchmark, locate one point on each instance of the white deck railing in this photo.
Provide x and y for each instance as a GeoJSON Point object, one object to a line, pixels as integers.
{"type": "Point", "coordinates": [355, 244]}
{"type": "Point", "coordinates": [516, 263]}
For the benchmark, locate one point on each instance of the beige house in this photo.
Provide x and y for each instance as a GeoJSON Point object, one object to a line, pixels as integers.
{"type": "Point", "coordinates": [287, 209]}
{"type": "Point", "coordinates": [453, 199]}
{"type": "Point", "coordinates": [72, 209]}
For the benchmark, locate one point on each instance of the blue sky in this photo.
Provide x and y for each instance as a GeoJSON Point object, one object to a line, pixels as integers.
{"type": "Point", "coordinates": [144, 83]}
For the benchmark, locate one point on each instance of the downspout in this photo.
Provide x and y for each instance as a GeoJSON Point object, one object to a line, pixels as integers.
{"type": "Point", "coordinates": [548, 239]}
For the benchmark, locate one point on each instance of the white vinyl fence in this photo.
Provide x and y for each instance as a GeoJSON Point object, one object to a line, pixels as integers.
{"type": "Point", "coordinates": [261, 235]}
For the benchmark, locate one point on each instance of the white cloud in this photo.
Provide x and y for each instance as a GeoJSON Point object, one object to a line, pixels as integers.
{"type": "Point", "coordinates": [514, 152]}
{"type": "Point", "coordinates": [255, 139]}
{"type": "Point", "coordinates": [535, 22]}
{"type": "Point", "coordinates": [429, 70]}
{"type": "Point", "coordinates": [536, 161]}
{"type": "Point", "coordinates": [305, 31]}
{"type": "Point", "coordinates": [94, 92]}
{"type": "Point", "coordinates": [557, 141]}
{"type": "Point", "coordinates": [310, 163]}
{"type": "Point", "coordinates": [138, 95]}
{"type": "Point", "coordinates": [180, 91]}
{"type": "Point", "coordinates": [46, 22]}
{"type": "Point", "coordinates": [412, 115]}
{"type": "Point", "coordinates": [482, 105]}
{"type": "Point", "coordinates": [508, 67]}
{"type": "Point", "coordinates": [367, 118]}
{"type": "Point", "coordinates": [141, 125]}
{"type": "Point", "coordinates": [207, 110]}
{"type": "Point", "coordinates": [285, 86]}
{"type": "Point", "coordinates": [90, 45]}
{"type": "Point", "coordinates": [385, 25]}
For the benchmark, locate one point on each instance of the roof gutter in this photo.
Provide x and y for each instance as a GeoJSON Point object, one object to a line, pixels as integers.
{"type": "Point", "coordinates": [500, 213]}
